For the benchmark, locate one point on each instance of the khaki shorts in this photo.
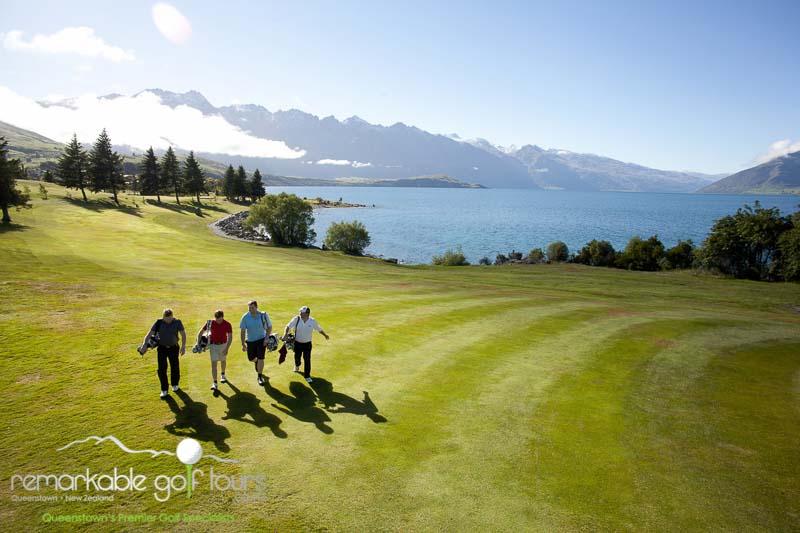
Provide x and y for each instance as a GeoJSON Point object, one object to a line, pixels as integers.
{"type": "Point", "coordinates": [218, 352]}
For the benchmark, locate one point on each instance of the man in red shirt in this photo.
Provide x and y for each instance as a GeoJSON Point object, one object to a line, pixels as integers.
{"type": "Point", "coordinates": [219, 342]}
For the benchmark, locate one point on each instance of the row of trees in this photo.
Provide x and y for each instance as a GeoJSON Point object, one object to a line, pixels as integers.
{"type": "Point", "coordinates": [101, 169]}
{"type": "Point", "coordinates": [157, 176]}
{"type": "Point", "coordinates": [755, 243]}
{"type": "Point", "coordinates": [98, 170]}
{"type": "Point", "coordinates": [237, 186]}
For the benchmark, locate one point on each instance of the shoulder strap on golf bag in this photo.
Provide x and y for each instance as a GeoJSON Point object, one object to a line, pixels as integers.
{"type": "Point", "coordinates": [296, 325]}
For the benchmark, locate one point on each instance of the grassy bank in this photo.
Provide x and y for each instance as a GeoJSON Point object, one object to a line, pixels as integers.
{"type": "Point", "coordinates": [546, 397]}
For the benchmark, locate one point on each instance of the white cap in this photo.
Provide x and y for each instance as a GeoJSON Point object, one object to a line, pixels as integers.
{"type": "Point", "coordinates": [304, 309]}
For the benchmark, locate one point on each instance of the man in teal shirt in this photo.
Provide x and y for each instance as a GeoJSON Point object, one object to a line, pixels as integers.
{"type": "Point", "coordinates": [255, 328]}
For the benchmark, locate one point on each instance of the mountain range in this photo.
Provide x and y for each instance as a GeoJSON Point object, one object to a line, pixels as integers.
{"type": "Point", "coordinates": [355, 148]}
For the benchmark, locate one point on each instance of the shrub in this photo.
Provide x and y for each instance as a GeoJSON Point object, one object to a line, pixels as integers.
{"type": "Point", "coordinates": [452, 257]}
{"type": "Point", "coordinates": [642, 255]}
{"type": "Point", "coordinates": [536, 256]}
{"type": "Point", "coordinates": [597, 253]}
{"type": "Point", "coordinates": [484, 261]}
{"type": "Point", "coordinates": [745, 245]}
{"type": "Point", "coordinates": [557, 251]}
{"type": "Point", "coordinates": [348, 237]}
{"type": "Point", "coordinates": [789, 247]}
{"type": "Point", "coordinates": [500, 259]}
{"type": "Point", "coordinates": [287, 218]}
{"type": "Point", "coordinates": [679, 256]}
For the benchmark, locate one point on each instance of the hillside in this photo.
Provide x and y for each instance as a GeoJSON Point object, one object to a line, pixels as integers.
{"type": "Point", "coordinates": [778, 176]}
{"type": "Point", "coordinates": [39, 153]}
{"type": "Point", "coordinates": [617, 401]}
{"type": "Point", "coordinates": [28, 146]}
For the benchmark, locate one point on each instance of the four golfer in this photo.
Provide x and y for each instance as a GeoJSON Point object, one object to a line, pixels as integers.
{"type": "Point", "coordinates": [255, 330]}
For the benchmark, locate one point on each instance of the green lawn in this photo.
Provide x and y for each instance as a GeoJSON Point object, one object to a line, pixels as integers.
{"type": "Point", "coordinates": [553, 397]}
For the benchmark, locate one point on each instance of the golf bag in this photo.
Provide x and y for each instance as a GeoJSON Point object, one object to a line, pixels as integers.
{"type": "Point", "coordinates": [272, 343]}
{"type": "Point", "coordinates": [205, 340]}
{"type": "Point", "coordinates": [152, 342]}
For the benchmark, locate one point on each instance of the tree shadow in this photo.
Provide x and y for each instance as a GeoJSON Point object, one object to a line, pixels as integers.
{"type": "Point", "coordinates": [347, 404]}
{"type": "Point", "coordinates": [241, 404]}
{"type": "Point", "coordinates": [191, 207]}
{"type": "Point", "coordinates": [7, 227]}
{"type": "Point", "coordinates": [241, 202]}
{"type": "Point", "coordinates": [300, 406]}
{"type": "Point", "coordinates": [192, 420]}
{"type": "Point", "coordinates": [98, 205]}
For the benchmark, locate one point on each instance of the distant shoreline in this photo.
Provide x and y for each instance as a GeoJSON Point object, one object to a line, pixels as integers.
{"type": "Point", "coordinates": [435, 181]}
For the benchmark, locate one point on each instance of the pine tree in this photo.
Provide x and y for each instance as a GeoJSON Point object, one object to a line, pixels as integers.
{"type": "Point", "coordinates": [10, 171]}
{"type": "Point", "coordinates": [193, 178]}
{"type": "Point", "coordinates": [240, 184]}
{"type": "Point", "coordinates": [170, 176]}
{"type": "Point", "coordinates": [257, 186]}
{"type": "Point", "coordinates": [229, 183]}
{"type": "Point", "coordinates": [72, 166]}
{"type": "Point", "coordinates": [150, 174]}
{"type": "Point", "coordinates": [105, 167]}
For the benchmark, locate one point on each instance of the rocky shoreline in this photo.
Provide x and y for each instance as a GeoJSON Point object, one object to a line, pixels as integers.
{"type": "Point", "coordinates": [323, 203]}
{"type": "Point", "coordinates": [232, 227]}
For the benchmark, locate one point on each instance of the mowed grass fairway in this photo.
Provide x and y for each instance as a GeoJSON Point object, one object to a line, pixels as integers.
{"type": "Point", "coordinates": [553, 397]}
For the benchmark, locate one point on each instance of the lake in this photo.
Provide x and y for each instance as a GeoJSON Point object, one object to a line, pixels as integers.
{"type": "Point", "coordinates": [413, 224]}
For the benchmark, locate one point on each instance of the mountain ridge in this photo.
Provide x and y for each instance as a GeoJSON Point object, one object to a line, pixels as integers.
{"type": "Point", "coordinates": [355, 148]}
{"type": "Point", "coordinates": [780, 175]}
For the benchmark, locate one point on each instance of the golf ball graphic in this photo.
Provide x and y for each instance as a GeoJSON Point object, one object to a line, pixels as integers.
{"type": "Point", "coordinates": [189, 451]}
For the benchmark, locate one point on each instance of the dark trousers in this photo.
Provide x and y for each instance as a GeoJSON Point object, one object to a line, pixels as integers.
{"type": "Point", "coordinates": [171, 354]}
{"type": "Point", "coordinates": [304, 349]}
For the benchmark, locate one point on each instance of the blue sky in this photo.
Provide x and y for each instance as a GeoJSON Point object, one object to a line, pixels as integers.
{"type": "Point", "coordinates": [704, 86]}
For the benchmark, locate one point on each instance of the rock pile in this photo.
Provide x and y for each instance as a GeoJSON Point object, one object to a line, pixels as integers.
{"type": "Point", "coordinates": [233, 226]}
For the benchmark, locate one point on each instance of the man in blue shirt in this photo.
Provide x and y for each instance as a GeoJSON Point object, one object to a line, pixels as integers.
{"type": "Point", "coordinates": [256, 327]}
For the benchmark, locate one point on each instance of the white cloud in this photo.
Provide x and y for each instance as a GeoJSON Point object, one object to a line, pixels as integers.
{"type": "Point", "coordinates": [139, 121]}
{"type": "Point", "coordinates": [778, 149]}
{"type": "Point", "coordinates": [79, 40]}
{"type": "Point", "coordinates": [343, 163]}
{"type": "Point", "coordinates": [171, 23]}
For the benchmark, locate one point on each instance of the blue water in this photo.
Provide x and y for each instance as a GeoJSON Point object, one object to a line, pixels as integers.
{"type": "Point", "coordinates": [413, 224]}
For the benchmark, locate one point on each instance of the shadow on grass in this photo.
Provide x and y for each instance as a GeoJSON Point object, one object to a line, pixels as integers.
{"type": "Point", "coordinates": [99, 205]}
{"type": "Point", "coordinates": [192, 420]}
{"type": "Point", "coordinates": [241, 404]}
{"type": "Point", "coordinates": [337, 402]}
{"type": "Point", "coordinates": [192, 207]}
{"type": "Point", "coordinates": [8, 227]}
{"type": "Point", "coordinates": [301, 405]}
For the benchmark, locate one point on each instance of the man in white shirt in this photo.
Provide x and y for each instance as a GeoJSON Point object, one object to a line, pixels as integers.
{"type": "Point", "coordinates": [304, 327]}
